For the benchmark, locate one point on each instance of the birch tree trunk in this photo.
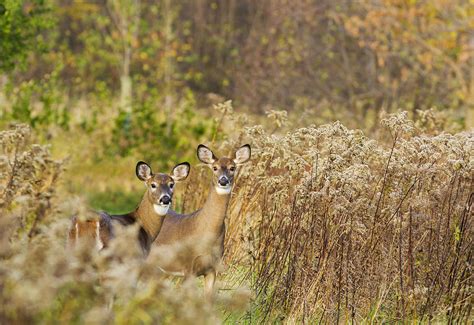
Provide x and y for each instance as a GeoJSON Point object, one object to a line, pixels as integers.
{"type": "Point", "coordinates": [126, 17]}
{"type": "Point", "coordinates": [169, 66]}
{"type": "Point", "coordinates": [470, 99]}
{"type": "Point", "coordinates": [3, 98]}
{"type": "Point", "coordinates": [126, 82]}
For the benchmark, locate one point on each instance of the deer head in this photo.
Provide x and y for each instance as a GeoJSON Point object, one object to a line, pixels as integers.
{"type": "Point", "coordinates": [160, 186]}
{"type": "Point", "coordinates": [223, 169]}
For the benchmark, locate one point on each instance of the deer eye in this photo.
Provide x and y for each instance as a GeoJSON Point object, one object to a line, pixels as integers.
{"type": "Point", "coordinates": [171, 185]}
{"type": "Point", "coordinates": [153, 185]}
{"type": "Point", "coordinates": [232, 168]}
{"type": "Point", "coordinates": [214, 168]}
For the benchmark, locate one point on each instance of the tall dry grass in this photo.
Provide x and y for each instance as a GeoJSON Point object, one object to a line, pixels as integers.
{"type": "Point", "coordinates": [336, 227]}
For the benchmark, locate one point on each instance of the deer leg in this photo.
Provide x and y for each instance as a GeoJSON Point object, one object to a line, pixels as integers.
{"type": "Point", "coordinates": [209, 280]}
{"type": "Point", "coordinates": [110, 302]}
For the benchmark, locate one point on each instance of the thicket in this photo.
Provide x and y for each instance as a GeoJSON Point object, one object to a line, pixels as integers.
{"type": "Point", "coordinates": [348, 227]}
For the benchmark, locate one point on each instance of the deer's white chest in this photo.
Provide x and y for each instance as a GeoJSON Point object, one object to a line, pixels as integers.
{"type": "Point", "coordinates": [223, 190]}
{"type": "Point", "coordinates": [161, 209]}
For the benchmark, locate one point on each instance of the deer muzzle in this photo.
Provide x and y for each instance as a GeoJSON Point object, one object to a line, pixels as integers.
{"type": "Point", "coordinates": [165, 200]}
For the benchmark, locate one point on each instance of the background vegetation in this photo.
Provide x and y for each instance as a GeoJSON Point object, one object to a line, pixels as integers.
{"type": "Point", "coordinates": [365, 219]}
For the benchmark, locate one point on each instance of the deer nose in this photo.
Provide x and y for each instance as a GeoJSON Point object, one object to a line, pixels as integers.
{"type": "Point", "coordinates": [165, 199]}
{"type": "Point", "coordinates": [223, 181]}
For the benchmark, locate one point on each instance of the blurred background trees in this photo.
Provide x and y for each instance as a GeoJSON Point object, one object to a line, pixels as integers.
{"type": "Point", "coordinates": [334, 59]}
{"type": "Point", "coordinates": [20, 24]}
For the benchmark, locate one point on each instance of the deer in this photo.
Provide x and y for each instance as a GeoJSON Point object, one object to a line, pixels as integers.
{"type": "Point", "coordinates": [206, 223]}
{"type": "Point", "coordinates": [149, 213]}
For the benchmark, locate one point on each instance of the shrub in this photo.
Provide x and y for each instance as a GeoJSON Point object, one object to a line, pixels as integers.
{"type": "Point", "coordinates": [28, 178]}
{"type": "Point", "coordinates": [337, 227]}
{"type": "Point", "coordinates": [22, 24]}
{"type": "Point", "coordinates": [148, 132]}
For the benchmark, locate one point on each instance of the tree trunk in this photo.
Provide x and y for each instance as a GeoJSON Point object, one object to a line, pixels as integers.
{"type": "Point", "coordinates": [3, 97]}
{"type": "Point", "coordinates": [470, 97]}
{"type": "Point", "coordinates": [169, 67]}
{"type": "Point", "coordinates": [126, 18]}
{"type": "Point", "coordinates": [126, 82]}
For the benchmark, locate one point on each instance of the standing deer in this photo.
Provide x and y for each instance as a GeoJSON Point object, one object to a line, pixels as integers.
{"type": "Point", "coordinates": [205, 225]}
{"type": "Point", "coordinates": [149, 213]}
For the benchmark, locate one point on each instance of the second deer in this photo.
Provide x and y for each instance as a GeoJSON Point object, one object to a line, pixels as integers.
{"type": "Point", "coordinates": [149, 214]}
{"type": "Point", "coordinates": [204, 229]}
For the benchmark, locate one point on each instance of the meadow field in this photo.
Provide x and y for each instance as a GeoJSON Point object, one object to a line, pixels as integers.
{"type": "Point", "coordinates": [356, 206]}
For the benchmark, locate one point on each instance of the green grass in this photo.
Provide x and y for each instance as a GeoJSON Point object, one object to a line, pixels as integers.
{"type": "Point", "coordinates": [114, 202]}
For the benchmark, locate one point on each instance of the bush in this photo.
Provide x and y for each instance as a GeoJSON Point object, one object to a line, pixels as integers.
{"type": "Point", "coordinates": [29, 175]}
{"type": "Point", "coordinates": [21, 26]}
{"type": "Point", "coordinates": [149, 133]}
{"type": "Point", "coordinates": [40, 104]}
{"type": "Point", "coordinates": [337, 227]}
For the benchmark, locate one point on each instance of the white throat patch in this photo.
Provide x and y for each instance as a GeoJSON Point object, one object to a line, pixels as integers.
{"type": "Point", "coordinates": [223, 190]}
{"type": "Point", "coordinates": [161, 209]}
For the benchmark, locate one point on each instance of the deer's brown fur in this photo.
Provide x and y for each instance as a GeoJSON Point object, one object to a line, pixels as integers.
{"type": "Point", "coordinates": [204, 229]}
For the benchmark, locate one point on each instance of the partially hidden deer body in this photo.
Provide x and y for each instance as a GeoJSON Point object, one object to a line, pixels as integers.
{"type": "Point", "coordinates": [204, 229]}
{"type": "Point", "coordinates": [99, 227]}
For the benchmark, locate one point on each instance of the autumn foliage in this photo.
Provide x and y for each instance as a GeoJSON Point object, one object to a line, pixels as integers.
{"type": "Point", "coordinates": [356, 207]}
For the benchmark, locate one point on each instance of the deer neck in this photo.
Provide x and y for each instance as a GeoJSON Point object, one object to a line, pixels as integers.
{"type": "Point", "coordinates": [148, 218]}
{"type": "Point", "coordinates": [213, 212]}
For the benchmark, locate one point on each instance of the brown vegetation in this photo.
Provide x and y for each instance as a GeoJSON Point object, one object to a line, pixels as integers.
{"type": "Point", "coordinates": [372, 231]}
{"type": "Point", "coordinates": [368, 219]}
{"type": "Point", "coordinates": [369, 231]}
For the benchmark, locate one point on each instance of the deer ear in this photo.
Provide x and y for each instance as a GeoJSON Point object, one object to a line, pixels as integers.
{"type": "Point", "coordinates": [181, 171]}
{"type": "Point", "coordinates": [242, 155]}
{"type": "Point", "coordinates": [143, 171]}
{"type": "Point", "coordinates": [205, 154]}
